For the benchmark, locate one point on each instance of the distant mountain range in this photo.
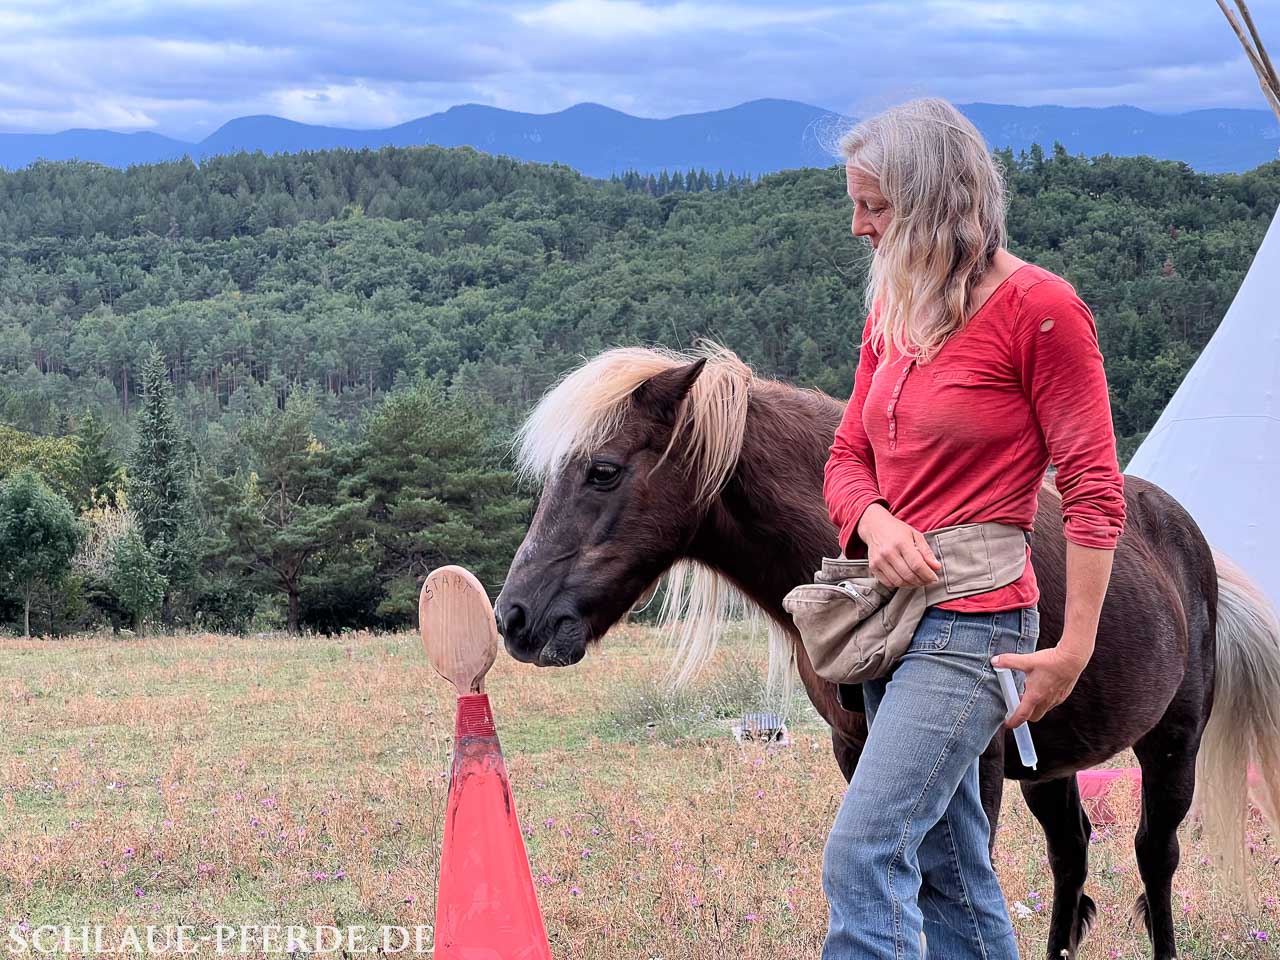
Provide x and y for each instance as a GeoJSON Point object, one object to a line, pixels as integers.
{"type": "Point", "coordinates": [755, 137]}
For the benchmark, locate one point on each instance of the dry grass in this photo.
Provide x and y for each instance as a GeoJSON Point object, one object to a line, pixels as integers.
{"type": "Point", "coordinates": [205, 779]}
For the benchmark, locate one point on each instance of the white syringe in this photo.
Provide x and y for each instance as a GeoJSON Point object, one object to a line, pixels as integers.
{"type": "Point", "coordinates": [1021, 733]}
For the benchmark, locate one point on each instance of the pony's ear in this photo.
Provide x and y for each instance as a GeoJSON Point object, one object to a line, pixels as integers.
{"type": "Point", "coordinates": [661, 394]}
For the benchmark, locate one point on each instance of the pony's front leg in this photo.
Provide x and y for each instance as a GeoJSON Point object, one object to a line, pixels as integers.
{"type": "Point", "coordinates": [1056, 804]}
{"type": "Point", "coordinates": [991, 783]}
{"type": "Point", "coordinates": [847, 751]}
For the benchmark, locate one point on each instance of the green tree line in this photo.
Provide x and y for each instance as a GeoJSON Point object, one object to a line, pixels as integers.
{"type": "Point", "coordinates": [277, 390]}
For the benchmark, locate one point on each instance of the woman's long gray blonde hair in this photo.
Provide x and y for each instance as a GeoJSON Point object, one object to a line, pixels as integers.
{"type": "Point", "coordinates": [948, 221]}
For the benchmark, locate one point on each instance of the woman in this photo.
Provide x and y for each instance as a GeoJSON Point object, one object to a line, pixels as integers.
{"type": "Point", "coordinates": [977, 370]}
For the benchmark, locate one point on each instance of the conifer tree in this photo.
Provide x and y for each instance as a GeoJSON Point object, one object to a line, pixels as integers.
{"type": "Point", "coordinates": [287, 513]}
{"type": "Point", "coordinates": [135, 579]}
{"type": "Point", "coordinates": [96, 471]}
{"type": "Point", "coordinates": [437, 493]}
{"type": "Point", "coordinates": [160, 481]}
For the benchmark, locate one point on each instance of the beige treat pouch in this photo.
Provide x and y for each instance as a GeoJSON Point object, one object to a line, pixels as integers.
{"type": "Point", "coordinates": [855, 628]}
{"type": "Point", "coordinates": [827, 612]}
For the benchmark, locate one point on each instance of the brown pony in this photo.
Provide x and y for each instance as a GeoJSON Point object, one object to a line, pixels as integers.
{"type": "Point", "coordinates": [657, 462]}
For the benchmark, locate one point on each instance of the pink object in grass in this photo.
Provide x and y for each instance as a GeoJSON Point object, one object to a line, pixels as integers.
{"type": "Point", "coordinates": [1097, 785]}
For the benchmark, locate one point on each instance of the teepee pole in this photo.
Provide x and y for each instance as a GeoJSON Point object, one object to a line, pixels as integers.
{"type": "Point", "coordinates": [1257, 43]}
{"type": "Point", "coordinates": [1255, 51]}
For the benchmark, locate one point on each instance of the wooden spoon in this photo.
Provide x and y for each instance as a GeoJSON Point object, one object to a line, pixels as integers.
{"type": "Point", "coordinates": [455, 618]}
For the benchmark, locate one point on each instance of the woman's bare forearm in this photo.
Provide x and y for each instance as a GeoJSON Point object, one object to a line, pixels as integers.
{"type": "Point", "coordinates": [1088, 573]}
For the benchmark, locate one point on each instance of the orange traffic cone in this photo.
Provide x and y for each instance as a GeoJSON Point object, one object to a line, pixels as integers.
{"type": "Point", "coordinates": [486, 907]}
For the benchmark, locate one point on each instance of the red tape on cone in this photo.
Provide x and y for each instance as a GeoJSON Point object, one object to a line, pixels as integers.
{"type": "Point", "coordinates": [486, 907]}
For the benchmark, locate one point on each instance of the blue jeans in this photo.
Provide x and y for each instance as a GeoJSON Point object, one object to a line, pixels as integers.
{"type": "Point", "coordinates": [908, 850]}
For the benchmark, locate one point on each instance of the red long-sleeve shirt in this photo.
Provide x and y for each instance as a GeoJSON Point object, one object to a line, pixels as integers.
{"type": "Point", "coordinates": [967, 437]}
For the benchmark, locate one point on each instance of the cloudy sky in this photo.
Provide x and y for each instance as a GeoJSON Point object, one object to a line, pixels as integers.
{"type": "Point", "coordinates": [185, 67]}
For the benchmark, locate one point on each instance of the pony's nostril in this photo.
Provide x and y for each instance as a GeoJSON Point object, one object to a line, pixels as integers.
{"type": "Point", "coordinates": [512, 622]}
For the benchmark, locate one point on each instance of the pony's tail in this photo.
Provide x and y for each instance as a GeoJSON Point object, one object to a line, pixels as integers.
{"type": "Point", "coordinates": [1243, 731]}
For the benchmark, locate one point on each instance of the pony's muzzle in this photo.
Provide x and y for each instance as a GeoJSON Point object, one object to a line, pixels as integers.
{"type": "Point", "coordinates": [557, 642]}
{"type": "Point", "coordinates": [561, 655]}
{"type": "Point", "coordinates": [513, 623]}
{"type": "Point", "coordinates": [567, 643]}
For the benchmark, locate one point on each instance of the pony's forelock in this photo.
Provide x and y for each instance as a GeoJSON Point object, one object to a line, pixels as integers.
{"type": "Point", "coordinates": [590, 404]}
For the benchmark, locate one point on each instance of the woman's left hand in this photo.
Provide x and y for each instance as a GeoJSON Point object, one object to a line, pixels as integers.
{"type": "Point", "coordinates": [1051, 676]}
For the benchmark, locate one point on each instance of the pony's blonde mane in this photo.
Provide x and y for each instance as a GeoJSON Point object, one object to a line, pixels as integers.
{"type": "Point", "coordinates": [588, 406]}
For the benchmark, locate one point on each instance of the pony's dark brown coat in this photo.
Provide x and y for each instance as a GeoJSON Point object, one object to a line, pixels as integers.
{"type": "Point", "coordinates": [596, 544]}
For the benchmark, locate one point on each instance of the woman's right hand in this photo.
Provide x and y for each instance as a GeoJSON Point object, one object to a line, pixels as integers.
{"type": "Point", "coordinates": [897, 552]}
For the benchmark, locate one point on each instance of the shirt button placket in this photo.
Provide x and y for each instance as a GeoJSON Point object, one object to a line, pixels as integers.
{"type": "Point", "coordinates": [897, 389]}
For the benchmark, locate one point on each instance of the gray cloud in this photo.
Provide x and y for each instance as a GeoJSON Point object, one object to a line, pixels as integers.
{"type": "Point", "coordinates": [185, 67]}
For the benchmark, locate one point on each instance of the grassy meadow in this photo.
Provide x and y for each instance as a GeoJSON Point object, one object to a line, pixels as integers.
{"type": "Point", "coordinates": [207, 780]}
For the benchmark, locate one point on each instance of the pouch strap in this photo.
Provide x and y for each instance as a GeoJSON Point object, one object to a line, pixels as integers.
{"type": "Point", "coordinates": [975, 558]}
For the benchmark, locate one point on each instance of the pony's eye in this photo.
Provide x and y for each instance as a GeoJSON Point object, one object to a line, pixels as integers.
{"type": "Point", "coordinates": [603, 474]}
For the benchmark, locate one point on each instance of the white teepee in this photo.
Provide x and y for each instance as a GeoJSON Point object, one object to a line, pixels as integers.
{"type": "Point", "coordinates": [1216, 447]}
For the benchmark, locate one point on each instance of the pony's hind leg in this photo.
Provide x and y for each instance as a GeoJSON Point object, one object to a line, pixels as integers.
{"type": "Point", "coordinates": [1056, 804]}
{"type": "Point", "coordinates": [847, 753]}
{"type": "Point", "coordinates": [1168, 783]}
